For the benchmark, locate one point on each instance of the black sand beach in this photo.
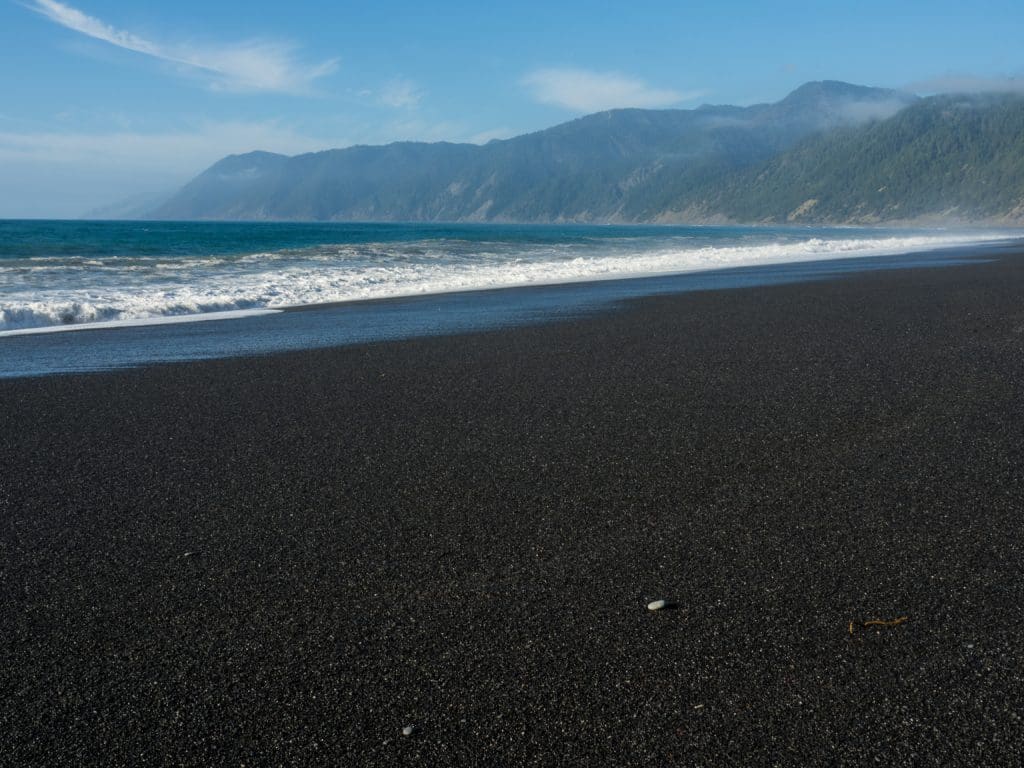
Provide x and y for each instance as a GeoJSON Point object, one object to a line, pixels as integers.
{"type": "Point", "coordinates": [285, 560]}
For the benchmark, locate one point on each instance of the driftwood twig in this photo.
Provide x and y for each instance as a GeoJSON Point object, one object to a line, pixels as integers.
{"type": "Point", "coordinates": [877, 623]}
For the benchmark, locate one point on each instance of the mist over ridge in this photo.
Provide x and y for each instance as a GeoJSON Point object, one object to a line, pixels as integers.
{"type": "Point", "coordinates": [828, 153]}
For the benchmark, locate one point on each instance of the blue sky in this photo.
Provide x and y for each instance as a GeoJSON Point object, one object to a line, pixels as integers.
{"type": "Point", "coordinates": [106, 100]}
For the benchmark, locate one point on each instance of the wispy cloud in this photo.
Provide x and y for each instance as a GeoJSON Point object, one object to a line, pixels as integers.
{"type": "Point", "coordinates": [957, 83]}
{"type": "Point", "coordinates": [252, 65]}
{"type": "Point", "coordinates": [490, 135]}
{"type": "Point", "coordinates": [858, 112]}
{"type": "Point", "coordinates": [400, 93]}
{"type": "Point", "coordinates": [582, 90]}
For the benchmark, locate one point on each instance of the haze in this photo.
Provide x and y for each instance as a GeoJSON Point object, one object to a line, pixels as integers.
{"type": "Point", "coordinates": [107, 105]}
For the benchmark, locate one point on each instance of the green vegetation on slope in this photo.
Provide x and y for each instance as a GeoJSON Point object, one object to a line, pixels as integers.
{"type": "Point", "coordinates": [958, 157]}
{"type": "Point", "coordinates": [622, 165]}
{"type": "Point", "coordinates": [827, 153]}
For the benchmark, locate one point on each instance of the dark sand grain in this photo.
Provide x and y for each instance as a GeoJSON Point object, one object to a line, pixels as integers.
{"type": "Point", "coordinates": [286, 560]}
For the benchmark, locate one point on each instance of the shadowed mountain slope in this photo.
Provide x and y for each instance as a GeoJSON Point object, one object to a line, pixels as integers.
{"type": "Point", "coordinates": [621, 165]}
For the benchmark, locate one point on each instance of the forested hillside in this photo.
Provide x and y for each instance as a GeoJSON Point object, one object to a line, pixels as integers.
{"type": "Point", "coordinates": [828, 153]}
{"type": "Point", "coordinates": [950, 156]}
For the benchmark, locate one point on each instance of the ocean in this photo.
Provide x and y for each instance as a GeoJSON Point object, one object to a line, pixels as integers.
{"type": "Point", "coordinates": [140, 286]}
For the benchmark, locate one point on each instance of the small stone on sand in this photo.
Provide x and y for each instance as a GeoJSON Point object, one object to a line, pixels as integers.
{"type": "Point", "coordinates": [409, 730]}
{"type": "Point", "coordinates": [657, 605]}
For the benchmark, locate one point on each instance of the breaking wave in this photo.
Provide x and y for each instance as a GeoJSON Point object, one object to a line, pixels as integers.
{"type": "Point", "coordinates": [43, 292]}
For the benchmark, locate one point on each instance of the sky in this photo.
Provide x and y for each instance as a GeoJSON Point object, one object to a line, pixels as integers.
{"type": "Point", "coordinates": [108, 102]}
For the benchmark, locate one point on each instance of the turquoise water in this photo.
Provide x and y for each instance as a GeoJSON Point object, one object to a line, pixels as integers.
{"type": "Point", "coordinates": [55, 274]}
{"type": "Point", "coordinates": [104, 239]}
{"type": "Point", "coordinates": [133, 291]}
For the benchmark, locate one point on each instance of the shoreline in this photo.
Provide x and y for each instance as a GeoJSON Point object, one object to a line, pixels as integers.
{"type": "Point", "coordinates": [289, 558]}
{"type": "Point", "coordinates": [121, 344]}
{"type": "Point", "coordinates": [658, 262]}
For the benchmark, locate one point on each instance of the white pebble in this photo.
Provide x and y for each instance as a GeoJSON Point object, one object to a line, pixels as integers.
{"type": "Point", "coordinates": [409, 730]}
{"type": "Point", "coordinates": [657, 605]}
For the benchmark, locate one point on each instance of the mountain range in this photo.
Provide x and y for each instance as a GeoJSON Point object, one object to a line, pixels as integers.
{"type": "Point", "coordinates": [828, 153]}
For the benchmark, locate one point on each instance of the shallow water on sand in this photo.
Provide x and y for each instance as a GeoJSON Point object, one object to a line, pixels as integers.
{"type": "Point", "coordinates": [55, 274]}
{"type": "Point", "coordinates": [355, 322]}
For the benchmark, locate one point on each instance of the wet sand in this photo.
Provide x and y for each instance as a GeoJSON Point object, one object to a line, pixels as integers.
{"type": "Point", "coordinates": [288, 559]}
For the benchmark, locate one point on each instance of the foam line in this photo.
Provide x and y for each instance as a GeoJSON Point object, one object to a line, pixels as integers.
{"type": "Point", "coordinates": [62, 294]}
{"type": "Point", "coordinates": [142, 321]}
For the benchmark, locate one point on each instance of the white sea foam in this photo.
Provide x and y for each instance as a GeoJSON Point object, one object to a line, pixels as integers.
{"type": "Point", "coordinates": [143, 321]}
{"type": "Point", "coordinates": [61, 294]}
